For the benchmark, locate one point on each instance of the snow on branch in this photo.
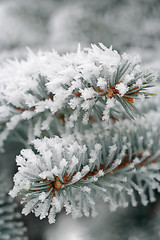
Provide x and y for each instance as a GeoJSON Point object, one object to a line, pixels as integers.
{"type": "Point", "coordinates": [74, 171]}
{"type": "Point", "coordinates": [49, 89]}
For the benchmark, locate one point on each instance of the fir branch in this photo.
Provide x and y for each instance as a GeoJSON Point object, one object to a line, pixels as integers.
{"type": "Point", "coordinates": [74, 171]}
{"type": "Point", "coordinates": [76, 86]}
{"type": "Point", "coordinates": [11, 225]}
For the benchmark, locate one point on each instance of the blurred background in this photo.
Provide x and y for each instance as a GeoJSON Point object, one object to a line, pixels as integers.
{"type": "Point", "coordinates": [129, 26]}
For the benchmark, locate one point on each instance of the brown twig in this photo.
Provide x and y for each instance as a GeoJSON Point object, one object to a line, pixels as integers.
{"type": "Point", "coordinates": [57, 184]}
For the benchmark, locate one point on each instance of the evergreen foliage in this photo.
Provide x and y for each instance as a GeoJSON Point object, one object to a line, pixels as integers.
{"type": "Point", "coordinates": [11, 225]}
{"type": "Point", "coordinates": [85, 124]}
{"type": "Point", "coordinates": [71, 103]}
{"type": "Point", "coordinates": [48, 91]}
{"type": "Point", "coordinates": [74, 171]}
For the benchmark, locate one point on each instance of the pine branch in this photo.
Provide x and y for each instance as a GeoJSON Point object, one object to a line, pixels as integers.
{"type": "Point", "coordinates": [74, 171]}
{"type": "Point", "coordinates": [48, 89]}
{"type": "Point", "coordinates": [11, 225]}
